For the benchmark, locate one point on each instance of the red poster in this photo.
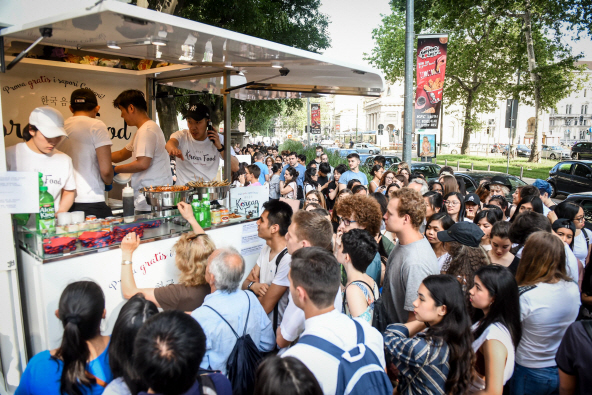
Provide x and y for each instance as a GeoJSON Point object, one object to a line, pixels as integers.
{"type": "Point", "coordinates": [315, 118]}
{"type": "Point", "coordinates": [431, 69]}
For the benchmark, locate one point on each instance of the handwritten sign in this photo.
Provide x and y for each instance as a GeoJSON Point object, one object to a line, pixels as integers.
{"type": "Point", "coordinates": [249, 199]}
{"type": "Point", "coordinates": [29, 86]}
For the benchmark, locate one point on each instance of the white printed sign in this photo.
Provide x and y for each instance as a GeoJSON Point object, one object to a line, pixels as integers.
{"type": "Point", "coordinates": [247, 199]}
{"type": "Point", "coordinates": [28, 86]}
{"type": "Point", "coordinates": [19, 192]}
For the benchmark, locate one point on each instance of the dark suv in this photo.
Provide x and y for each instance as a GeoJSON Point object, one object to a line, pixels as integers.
{"type": "Point", "coordinates": [581, 151]}
{"type": "Point", "coordinates": [571, 176]}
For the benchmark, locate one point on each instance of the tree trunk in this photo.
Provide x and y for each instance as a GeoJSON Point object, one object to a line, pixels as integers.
{"type": "Point", "coordinates": [535, 155]}
{"type": "Point", "coordinates": [468, 128]}
{"type": "Point", "coordinates": [167, 112]}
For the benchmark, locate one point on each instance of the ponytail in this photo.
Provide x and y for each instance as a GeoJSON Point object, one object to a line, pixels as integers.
{"type": "Point", "coordinates": [27, 131]}
{"type": "Point", "coordinates": [80, 309]}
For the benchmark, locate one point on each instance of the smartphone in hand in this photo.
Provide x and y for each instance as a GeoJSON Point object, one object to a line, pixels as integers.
{"type": "Point", "coordinates": [210, 131]}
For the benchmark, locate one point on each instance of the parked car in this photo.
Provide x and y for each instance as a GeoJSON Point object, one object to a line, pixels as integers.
{"type": "Point", "coordinates": [584, 199]}
{"type": "Point", "coordinates": [447, 148]}
{"type": "Point", "coordinates": [473, 178]}
{"type": "Point", "coordinates": [367, 148]}
{"type": "Point", "coordinates": [429, 170]}
{"type": "Point", "coordinates": [581, 151]}
{"type": "Point", "coordinates": [345, 152]}
{"type": "Point", "coordinates": [554, 152]}
{"type": "Point", "coordinates": [390, 160]}
{"type": "Point", "coordinates": [571, 176]}
{"type": "Point", "coordinates": [522, 150]}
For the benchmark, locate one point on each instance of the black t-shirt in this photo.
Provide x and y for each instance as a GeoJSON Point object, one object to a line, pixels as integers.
{"type": "Point", "coordinates": [323, 180]}
{"type": "Point", "coordinates": [574, 356]}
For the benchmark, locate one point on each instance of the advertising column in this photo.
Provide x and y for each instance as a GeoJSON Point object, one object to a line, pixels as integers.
{"type": "Point", "coordinates": [315, 118]}
{"type": "Point", "coordinates": [431, 70]}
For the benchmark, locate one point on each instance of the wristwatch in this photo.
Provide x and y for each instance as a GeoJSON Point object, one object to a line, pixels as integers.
{"type": "Point", "coordinates": [251, 283]}
{"type": "Point", "coordinates": [221, 148]}
{"type": "Point", "coordinates": [126, 262]}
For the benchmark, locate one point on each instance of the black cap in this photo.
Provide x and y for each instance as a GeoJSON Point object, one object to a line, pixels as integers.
{"type": "Point", "coordinates": [83, 96]}
{"type": "Point", "coordinates": [197, 112]}
{"type": "Point", "coordinates": [499, 180]}
{"type": "Point", "coordinates": [472, 198]}
{"type": "Point", "coordinates": [466, 233]}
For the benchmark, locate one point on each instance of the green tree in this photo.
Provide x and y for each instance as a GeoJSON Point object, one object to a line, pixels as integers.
{"type": "Point", "coordinates": [547, 62]}
{"type": "Point", "coordinates": [479, 63]}
{"type": "Point", "coordinates": [296, 23]}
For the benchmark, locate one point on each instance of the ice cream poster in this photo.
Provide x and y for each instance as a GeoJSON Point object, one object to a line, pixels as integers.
{"type": "Point", "coordinates": [431, 69]}
{"type": "Point", "coordinates": [426, 145]}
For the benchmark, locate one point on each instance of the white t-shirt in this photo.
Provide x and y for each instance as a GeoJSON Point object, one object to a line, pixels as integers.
{"type": "Point", "coordinates": [500, 333]}
{"type": "Point", "coordinates": [149, 141]}
{"type": "Point", "coordinates": [268, 275]}
{"type": "Point", "coordinates": [545, 312]}
{"type": "Point", "coordinates": [57, 169]}
{"type": "Point", "coordinates": [442, 260]}
{"type": "Point", "coordinates": [85, 135]}
{"type": "Point", "coordinates": [339, 330]}
{"type": "Point", "coordinates": [201, 158]}
{"type": "Point", "coordinates": [580, 247]}
{"type": "Point", "coordinates": [293, 324]}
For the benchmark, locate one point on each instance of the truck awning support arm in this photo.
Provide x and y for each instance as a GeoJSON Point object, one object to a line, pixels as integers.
{"type": "Point", "coordinates": [46, 32]}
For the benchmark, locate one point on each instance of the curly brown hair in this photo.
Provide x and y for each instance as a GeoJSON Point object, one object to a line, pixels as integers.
{"type": "Point", "coordinates": [365, 210]}
{"type": "Point", "coordinates": [464, 261]}
{"type": "Point", "coordinates": [191, 256]}
{"type": "Point", "coordinates": [410, 203]}
{"type": "Point", "coordinates": [386, 173]}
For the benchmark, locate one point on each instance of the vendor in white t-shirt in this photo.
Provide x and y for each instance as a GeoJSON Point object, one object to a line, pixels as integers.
{"type": "Point", "coordinates": [43, 133]}
{"type": "Point", "coordinates": [151, 164]}
{"type": "Point", "coordinates": [199, 150]}
{"type": "Point", "coordinates": [89, 146]}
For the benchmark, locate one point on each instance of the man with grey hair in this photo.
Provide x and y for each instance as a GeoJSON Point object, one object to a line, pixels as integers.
{"type": "Point", "coordinates": [227, 310]}
{"type": "Point", "coordinates": [419, 185]}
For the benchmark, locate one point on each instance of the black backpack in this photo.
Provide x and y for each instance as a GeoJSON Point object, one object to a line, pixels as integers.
{"type": "Point", "coordinates": [380, 316]}
{"type": "Point", "coordinates": [243, 360]}
{"type": "Point", "coordinates": [299, 192]}
{"type": "Point", "coordinates": [276, 309]}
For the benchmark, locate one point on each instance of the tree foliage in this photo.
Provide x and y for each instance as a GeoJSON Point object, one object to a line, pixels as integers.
{"type": "Point", "coordinates": [296, 23]}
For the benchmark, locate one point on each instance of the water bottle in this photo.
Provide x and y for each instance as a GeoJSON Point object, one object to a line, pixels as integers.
{"type": "Point", "coordinates": [45, 218]}
{"type": "Point", "coordinates": [128, 204]}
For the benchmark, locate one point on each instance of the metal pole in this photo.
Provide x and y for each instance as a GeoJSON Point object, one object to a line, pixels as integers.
{"type": "Point", "coordinates": [227, 171]}
{"type": "Point", "coordinates": [409, 38]}
{"type": "Point", "coordinates": [357, 112]}
{"type": "Point", "coordinates": [308, 120]}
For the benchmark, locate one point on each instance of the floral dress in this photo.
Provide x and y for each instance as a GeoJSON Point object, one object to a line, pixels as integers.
{"type": "Point", "coordinates": [370, 298]}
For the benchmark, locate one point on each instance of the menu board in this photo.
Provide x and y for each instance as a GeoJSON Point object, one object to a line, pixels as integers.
{"type": "Point", "coordinates": [431, 69]}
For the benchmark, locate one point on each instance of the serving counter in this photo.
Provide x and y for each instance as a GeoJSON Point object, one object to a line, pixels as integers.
{"type": "Point", "coordinates": [44, 276]}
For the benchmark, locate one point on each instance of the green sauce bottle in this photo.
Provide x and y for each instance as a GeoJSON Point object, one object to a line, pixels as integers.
{"type": "Point", "coordinates": [45, 218]}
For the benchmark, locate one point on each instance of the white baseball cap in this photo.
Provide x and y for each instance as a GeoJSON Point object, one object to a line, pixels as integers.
{"type": "Point", "coordinates": [48, 121]}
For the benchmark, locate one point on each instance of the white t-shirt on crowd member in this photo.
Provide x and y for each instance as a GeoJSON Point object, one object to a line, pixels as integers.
{"type": "Point", "coordinates": [57, 169]}
{"type": "Point", "coordinates": [149, 142]}
{"type": "Point", "coordinates": [545, 312]}
{"type": "Point", "coordinates": [341, 331]}
{"type": "Point", "coordinates": [499, 332]}
{"type": "Point", "coordinates": [85, 135]}
{"type": "Point", "coordinates": [581, 247]}
{"type": "Point", "coordinates": [201, 158]}
{"type": "Point", "coordinates": [293, 322]}
{"type": "Point", "coordinates": [268, 275]}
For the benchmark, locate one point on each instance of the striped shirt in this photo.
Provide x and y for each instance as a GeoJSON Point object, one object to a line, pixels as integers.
{"type": "Point", "coordinates": [422, 363]}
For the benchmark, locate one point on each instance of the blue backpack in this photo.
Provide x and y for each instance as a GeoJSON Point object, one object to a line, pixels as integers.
{"type": "Point", "coordinates": [360, 372]}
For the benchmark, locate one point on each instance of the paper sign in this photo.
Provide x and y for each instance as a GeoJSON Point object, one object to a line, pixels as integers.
{"type": "Point", "coordinates": [251, 250]}
{"type": "Point", "coordinates": [249, 199]}
{"type": "Point", "coordinates": [19, 192]}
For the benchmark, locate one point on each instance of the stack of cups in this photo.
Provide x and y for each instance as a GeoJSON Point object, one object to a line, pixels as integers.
{"type": "Point", "coordinates": [77, 217]}
{"type": "Point", "coordinates": [64, 219]}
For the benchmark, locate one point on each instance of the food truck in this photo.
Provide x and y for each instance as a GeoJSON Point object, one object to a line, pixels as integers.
{"type": "Point", "coordinates": [107, 47]}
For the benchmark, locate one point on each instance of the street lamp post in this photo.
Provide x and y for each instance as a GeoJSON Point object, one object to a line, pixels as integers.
{"type": "Point", "coordinates": [409, 37]}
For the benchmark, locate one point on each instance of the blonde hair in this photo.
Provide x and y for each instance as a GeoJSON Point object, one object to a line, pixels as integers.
{"type": "Point", "coordinates": [543, 260]}
{"type": "Point", "coordinates": [191, 255]}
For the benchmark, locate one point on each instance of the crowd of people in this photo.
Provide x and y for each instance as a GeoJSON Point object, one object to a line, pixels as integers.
{"type": "Point", "coordinates": [395, 284]}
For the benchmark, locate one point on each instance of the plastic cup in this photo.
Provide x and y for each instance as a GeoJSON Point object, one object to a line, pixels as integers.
{"type": "Point", "coordinates": [64, 219]}
{"type": "Point", "coordinates": [78, 216]}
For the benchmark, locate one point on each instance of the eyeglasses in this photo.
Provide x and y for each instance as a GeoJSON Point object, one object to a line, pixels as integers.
{"type": "Point", "coordinates": [346, 221]}
{"type": "Point", "coordinates": [312, 200]}
{"type": "Point", "coordinates": [390, 178]}
{"type": "Point", "coordinates": [497, 197]}
{"type": "Point", "coordinates": [579, 219]}
{"type": "Point", "coordinates": [451, 203]}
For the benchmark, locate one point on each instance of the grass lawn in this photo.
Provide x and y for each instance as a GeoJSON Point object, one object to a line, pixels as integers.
{"type": "Point", "coordinates": [498, 163]}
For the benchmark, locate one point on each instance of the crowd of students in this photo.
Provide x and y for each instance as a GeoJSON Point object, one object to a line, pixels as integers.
{"type": "Point", "coordinates": [401, 285]}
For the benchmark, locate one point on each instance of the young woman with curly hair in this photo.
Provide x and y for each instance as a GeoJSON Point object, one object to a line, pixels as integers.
{"type": "Point", "coordinates": [191, 255]}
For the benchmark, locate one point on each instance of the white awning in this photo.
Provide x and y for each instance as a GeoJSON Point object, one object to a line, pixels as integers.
{"type": "Point", "coordinates": [206, 50]}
